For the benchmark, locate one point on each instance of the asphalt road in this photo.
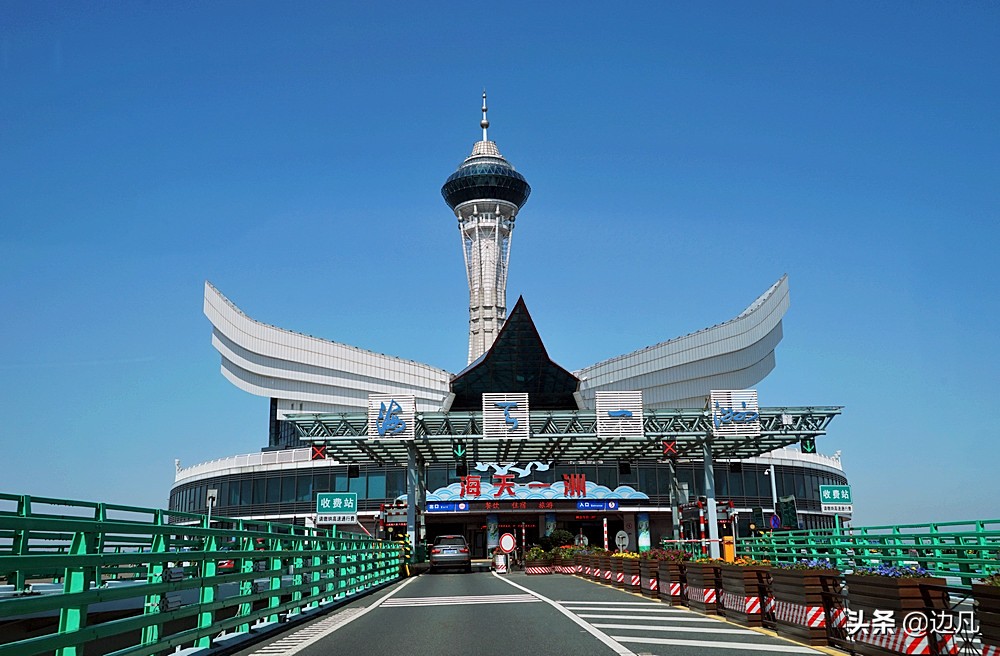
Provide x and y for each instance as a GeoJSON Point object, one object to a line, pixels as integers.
{"type": "Point", "coordinates": [482, 614]}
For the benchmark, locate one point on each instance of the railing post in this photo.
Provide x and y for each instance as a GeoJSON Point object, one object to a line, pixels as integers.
{"type": "Point", "coordinates": [19, 545]}
{"type": "Point", "coordinates": [275, 580]}
{"type": "Point", "coordinates": [76, 579]}
{"type": "Point", "coordinates": [298, 562]}
{"type": "Point", "coordinates": [246, 584]}
{"type": "Point", "coordinates": [151, 634]}
{"type": "Point", "coordinates": [207, 593]}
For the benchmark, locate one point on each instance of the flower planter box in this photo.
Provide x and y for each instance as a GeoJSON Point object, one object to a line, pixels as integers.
{"type": "Point", "coordinates": [649, 576]}
{"type": "Point", "coordinates": [618, 569]}
{"type": "Point", "coordinates": [800, 606]}
{"type": "Point", "coordinates": [988, 613]}
{"type": "Point", "coordinates": [578, 564]}
{"type": "Point", "coordinates": [744, 593]}
{"type": "Point", "coordinates": [901, 596]}
{"type": "Point", "coordinates": [633, 577]}
{"type": "Point", "coordinates": [605, 569]}
{"type": "Point", "coordinates": [569, 564]}
{"type": "Point", "coordinates": [673, 582]}
{"type": "Point", "coordinates": [532, 567]}
{"type": "Point", "coordinates": [596, 574]}
{"type": "Point", "coordinates": [557, 565]}
{"type": "Point", "coordinates": [703, 583]}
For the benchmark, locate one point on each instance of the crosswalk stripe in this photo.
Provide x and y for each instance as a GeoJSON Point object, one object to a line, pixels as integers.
{"type": "Point", "coordinates": [657, 611]}
{"type": "Point", "coordinates": [706, 644]}
{"type": "Point", "coordinates": [665, 620]}
{"type": "Point", "coordinates": [679, 629]}
{"type": "Point", "coordinates": [412, 602]}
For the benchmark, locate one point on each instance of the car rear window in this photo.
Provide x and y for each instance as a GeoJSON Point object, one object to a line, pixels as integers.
{"type": "Point", "coordinates": [451, 540]}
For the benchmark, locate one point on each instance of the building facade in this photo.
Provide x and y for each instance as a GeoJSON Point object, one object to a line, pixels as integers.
{"type": "Point", "coordinates": [306, 377]}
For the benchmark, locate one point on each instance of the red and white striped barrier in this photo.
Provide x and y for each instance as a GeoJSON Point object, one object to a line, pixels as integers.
{"type": "Point", "coordinates": [902, 642]}
{"type": "Point", "coordinates": [811, 616]}
{"type": "Point", "coordinates": [675, 590]}
{"type": "Point", "coordinates": [703, 595]}
{"type": "Point", "coordinates": [636, 580]}
{"type": "Point", "coordinates": [608, 574]}
{"type": "Point", "coordinates": [770, 605]}
{"type": "Point", "coordinates": [538, 569]}
{"type": "Point", "coordinates": [620, 577]}
{"type": "Point", "coordinates": [654, 583]}
{"type": "Point", "coordinates": [748, 605]}
{"type": "Point", "coordinates": [990, 650]}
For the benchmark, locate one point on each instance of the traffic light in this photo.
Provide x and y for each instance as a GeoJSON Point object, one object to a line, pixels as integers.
{"type": "Point", "coordinates": [461, 469]}
{"type": "Point", "coordinates": [808, 445]}
{"type": "Point", "coordinates": [318, 452]}
{"type": "Point", "coordinates": [353, 471]}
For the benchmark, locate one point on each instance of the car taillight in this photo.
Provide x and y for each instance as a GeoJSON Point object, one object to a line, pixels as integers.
{"type": "Point", "coordinates": [463, 550]}
{"type": "Point", "coordinates": [435, 550]}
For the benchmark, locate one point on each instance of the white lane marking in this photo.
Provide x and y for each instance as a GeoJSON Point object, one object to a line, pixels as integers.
{"type": "Point", "coordinates": [706, 644]}
{"type": "Point", "coordinates": [413, 602]}
{"type": "Point", "coordinates": [337, 621]}
{"type": "Point", "coordinates": [618, 648]}
{"type": "Point", "coordinates": [679, 629]}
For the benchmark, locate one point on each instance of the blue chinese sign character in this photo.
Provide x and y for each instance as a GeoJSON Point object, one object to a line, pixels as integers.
{"type": "Point", "coordinates": [389, 421]}
{"type": "Point", "coordinates": [726, 415]}
{"type": "Point", "coordinates": [507, 405]}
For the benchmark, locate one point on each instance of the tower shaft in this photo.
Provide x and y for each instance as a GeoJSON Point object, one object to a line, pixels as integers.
{"type": "Point", "coordinates": [486, 229]}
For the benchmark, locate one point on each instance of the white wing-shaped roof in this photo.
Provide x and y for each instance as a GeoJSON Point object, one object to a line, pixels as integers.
{"type": "Point", "coordinates": [680, 372]}
{"type": "Point", "coordinates": [327, 375]}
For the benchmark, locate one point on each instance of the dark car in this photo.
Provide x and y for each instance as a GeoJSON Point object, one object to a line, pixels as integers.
{"type": "Point", "coordinates": [450, 551]}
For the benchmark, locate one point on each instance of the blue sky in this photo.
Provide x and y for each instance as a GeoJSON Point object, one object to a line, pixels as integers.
{"type": "Point", "coordinates": [682, 158]}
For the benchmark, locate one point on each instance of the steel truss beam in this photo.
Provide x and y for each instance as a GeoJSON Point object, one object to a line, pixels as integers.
{"type": "Point", "coordinates": [565, 436]}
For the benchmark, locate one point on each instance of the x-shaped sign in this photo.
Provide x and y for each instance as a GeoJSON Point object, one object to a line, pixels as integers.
{"type": "Point", "coordinates": [318, 452]}
{"type": "Point", "coordinates": [669, 447]}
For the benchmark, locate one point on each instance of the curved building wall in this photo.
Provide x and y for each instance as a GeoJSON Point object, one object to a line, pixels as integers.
{"type": "Point", "coordinates": [681, 372]}
{"type": "Point", "coordinates": [283, 484]}
{"type": "Point", "coordinates": [325, 375]}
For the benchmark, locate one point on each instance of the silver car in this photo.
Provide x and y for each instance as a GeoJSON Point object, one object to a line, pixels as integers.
{"type": "Point", "coordinates": [450, 551]}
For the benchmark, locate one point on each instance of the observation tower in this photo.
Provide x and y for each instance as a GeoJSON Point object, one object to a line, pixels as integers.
{"type": "Point", "coordinates": [486, 194]}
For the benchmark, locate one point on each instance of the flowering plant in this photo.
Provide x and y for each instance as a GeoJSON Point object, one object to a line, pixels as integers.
{"type": "Point", "coordinates": [811, 564]}
{"type": "Point", "coordinates": [705, 560]}
{"type": "Point", "coordinates": [747, 561]}
{"type": "Point", "coordinates": [992, 579]}
{"type": "Point", "coordinates": [627, 555]}
{"type": "Point", "coordinates": [668, 555]}
{"type": "Point", "coordinates": [893, 571]}
{"type": "Point", "coordinates": [536, 553]}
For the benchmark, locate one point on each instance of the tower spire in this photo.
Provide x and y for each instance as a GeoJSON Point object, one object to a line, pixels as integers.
{"type": "Point", "coordinates": [485, 123]}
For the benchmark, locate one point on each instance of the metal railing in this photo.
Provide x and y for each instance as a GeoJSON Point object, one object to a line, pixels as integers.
{"type": "Point", "coordinates": [961, 550]}
{"type": "Point", "coordinates": [105, 578]}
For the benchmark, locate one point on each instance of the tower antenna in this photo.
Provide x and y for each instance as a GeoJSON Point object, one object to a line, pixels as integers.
{"type": "Point", "coordinates": [485, 123]}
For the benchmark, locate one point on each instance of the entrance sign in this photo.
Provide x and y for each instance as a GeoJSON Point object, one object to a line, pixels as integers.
{"type": "Point", "coordinates": [597, 505]}
{"type": "Point", "coordinates": [507, 542]}
{"type": "Point", "coordinates": [836, 498]}
{"type": "Point", "coordinates": [505, 416]}
{"type": "Point", "coordinates": [619, 414]}
{"type": "Point", "coordinates": [337, 508]}
{"type": "Point", "coordinates": [391, 416]}
{"type": "Point", "coordinates": [735, 413]}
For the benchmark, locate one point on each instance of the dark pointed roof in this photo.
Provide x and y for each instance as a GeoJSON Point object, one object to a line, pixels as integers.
{"type": "Point", "coordinates": [517, 362]}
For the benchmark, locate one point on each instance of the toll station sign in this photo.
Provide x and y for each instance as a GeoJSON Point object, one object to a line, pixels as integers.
{"type": "Point", "coordinates": [337, 508]}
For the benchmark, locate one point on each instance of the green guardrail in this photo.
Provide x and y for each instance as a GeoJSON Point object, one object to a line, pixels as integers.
{"type": "Point", "coordinates": [965, 550]}
{"type": "Point", "coordinates": [101, 578]}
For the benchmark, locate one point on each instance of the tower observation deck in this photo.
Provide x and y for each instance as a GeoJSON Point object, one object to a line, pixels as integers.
{"type": "Point", "coordinates": [486, 194]}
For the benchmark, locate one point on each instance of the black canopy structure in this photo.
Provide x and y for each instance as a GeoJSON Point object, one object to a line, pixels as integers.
{"type": "Point", "coordinates": [516, 363]}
